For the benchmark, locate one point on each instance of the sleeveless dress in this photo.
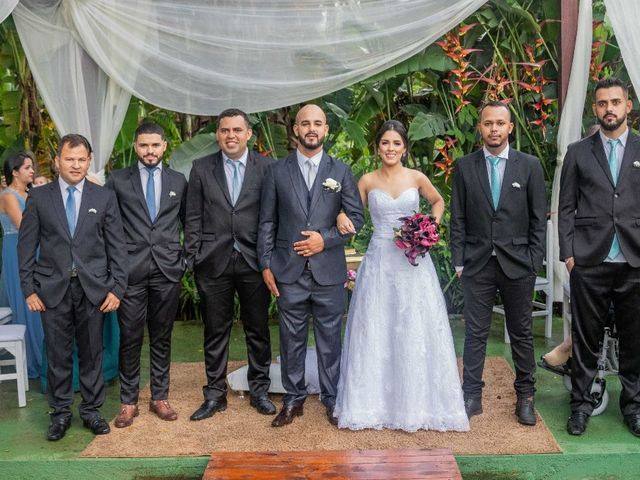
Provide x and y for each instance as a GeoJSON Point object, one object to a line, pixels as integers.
{"type": "Point", "coordinates": [398, 367]}
{"type": "Point", "coordinates": [11, 278]}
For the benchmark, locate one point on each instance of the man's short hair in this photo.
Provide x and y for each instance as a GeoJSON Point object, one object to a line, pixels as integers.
{"type": "Point", "coordinates": [149, 128]}
{"type": "Point", "coordinates": [74, 140]}
{"type": "Point", "coordinates": [494, 103]}
{"type": "Point", "coordinates": [234, 112]}
{"type": "Point", "coordinates": [611, 82]}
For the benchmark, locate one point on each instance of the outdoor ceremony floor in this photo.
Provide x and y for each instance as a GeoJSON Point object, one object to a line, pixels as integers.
{"type": "Point", "coordinates": [607, 451]}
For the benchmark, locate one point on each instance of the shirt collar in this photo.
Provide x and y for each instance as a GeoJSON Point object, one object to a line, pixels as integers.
{"type": "Point", "coordinates": [63, 185]}
{"type": "Point", "coordinates": [242, 159]}
{"type": "Point", "coordinates": [142, 166]}
{"type": "Point", "coordinates": [503, 154]}
{"type": "Point", "coordinates": [315, 159]}
{"type": "Point", "coordinates": [622, 138]}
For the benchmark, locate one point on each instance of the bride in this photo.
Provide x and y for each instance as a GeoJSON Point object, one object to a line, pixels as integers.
{"type": "Point", "coordinates": [398, 365]}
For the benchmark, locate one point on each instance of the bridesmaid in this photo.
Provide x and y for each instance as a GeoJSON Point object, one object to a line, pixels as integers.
{"type": "Point", "coordinates": [19, 173]}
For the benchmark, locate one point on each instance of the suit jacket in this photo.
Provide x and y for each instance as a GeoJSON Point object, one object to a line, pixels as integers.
{"type": "Point", "coordinates": [213, 223]}
{"type": "Point", "coordinates": [515, 230]}
{"type": "Point", "coordinates": [591, 208]}
{"type": "Point", "coordinates": [159, 240]}
{"type": "Point", "coordinates": [287, 208]}
{"type": "Point", "coordinates": [97, 248]}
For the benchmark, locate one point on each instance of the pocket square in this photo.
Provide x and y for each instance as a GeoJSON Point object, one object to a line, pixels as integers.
{"type": "Point", "coordinates": [636, 164]}
{"type": "Point", "coordinates": [515, 185]}
{"type": "Point", "coordinates": [93, 210]}
{"type": "Point", "coordinates": [172, 193]}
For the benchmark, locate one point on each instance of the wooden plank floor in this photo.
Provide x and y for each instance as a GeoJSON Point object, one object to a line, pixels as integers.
{"type": "Point", "coordinates": [334, 464]}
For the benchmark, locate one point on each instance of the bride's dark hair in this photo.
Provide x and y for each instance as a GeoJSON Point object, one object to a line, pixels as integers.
{"type": "Point", "coordinates": [399, 128]}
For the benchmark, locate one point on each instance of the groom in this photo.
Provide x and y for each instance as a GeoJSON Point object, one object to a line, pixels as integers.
{"type": "Point", "coordinates": [301, 254]}
{"type": "Point", "coordinates": [498, 221]}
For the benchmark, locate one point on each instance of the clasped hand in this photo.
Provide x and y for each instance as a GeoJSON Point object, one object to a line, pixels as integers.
{"type": "Point", "coordinates": [313, 244]}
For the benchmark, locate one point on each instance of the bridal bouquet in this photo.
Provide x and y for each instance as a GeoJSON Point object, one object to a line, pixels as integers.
{"type": "Point", "coordinates": [417, 234]}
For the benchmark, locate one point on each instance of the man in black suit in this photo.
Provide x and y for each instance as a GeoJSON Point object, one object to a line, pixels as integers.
{"type": "Point", "coordinates": [600, 244]}
{"type": "Point", "coordinates": [72, 269]}
{"type": "Point", "coordinates": [220, 240]}
{"type": "Point", "coordinates": [498, 223]}
{"type": "Point", "coordinates": [301, 254]}
{"type": "Point", "coordinates": [152, 198]}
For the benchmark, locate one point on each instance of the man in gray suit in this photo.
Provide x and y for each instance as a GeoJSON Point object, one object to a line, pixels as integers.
{"type": "Point", "coordinates": [223, 203]}
{"type": "Point", "coordinates": [72, 269]}
{"type": "Point", "coordinates": [600, 244]}
{"type": "Point", "coordinates": [151, 198]}
{"type": "Point", "coordinates": [498, 223]}
{"type": "Point", "coordinates": [301, 254]}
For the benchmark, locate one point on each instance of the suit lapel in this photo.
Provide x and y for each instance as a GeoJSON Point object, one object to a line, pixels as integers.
{"type": "Point", "coordinates": [58, 205]}
{"type": "Point", "coordinates": [249, 174]}
{"type": "Point", "coordinates": [297, 181]}
{"type": "Point", "coordinates": [85, 205]}
{"type": "Point", "coordinates": [165, 188]}
{"type": "Point", "coordinates": [218, 174]}
{"type": "Point", "coordinates": [631, 151]}
{"type": "Point", "coordinates": [323, 172]}
{"type": "Point", "coordinates": [510, 168]}
{"type": "Point", "coordinates": [598, 152]}
{"type": "Point", "coordinates": [483, 176]}
{"type": "Point", "coordinates": [136, 186]}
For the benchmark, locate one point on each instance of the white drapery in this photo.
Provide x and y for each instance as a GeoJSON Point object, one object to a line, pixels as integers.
{"type": "Point", "coordinates": [570, 126]}
{"type": "Point", "coordinates": [6, 7]}
{"type": "Point", "coordinates": [200, 57]}
{"type": "Point", "coordinates": [624, 17]}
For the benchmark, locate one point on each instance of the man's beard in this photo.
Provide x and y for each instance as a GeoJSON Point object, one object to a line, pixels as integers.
{"type": "Point", "coordinates": [610, 127]}
{"type": "Point", "coordinates": [311, 146]}
{"type": "Point", "coordinates": [157, 161]}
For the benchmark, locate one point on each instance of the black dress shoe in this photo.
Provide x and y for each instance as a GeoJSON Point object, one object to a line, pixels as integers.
{"type": "Point", "coordinates": [577, 423]}
{"type": "Point", "coordinates": [287, 414]}
{"type": "Point", "coordinates": [332, 420]}
{"type": "Point", "coordinates": [525, 411]}
{"type": "Point", "coordinates": [97, 425]}
{"type": "Point", "coordinates": [633, 422]}
{"type": "Point", "coordinates": [473, 406]}
{"type": "Point", "coordinates": [58, 428]}
{"type": "Point", "coordinates": [208, 408]}
{"type": "Point", "coordinates": [263, 405]}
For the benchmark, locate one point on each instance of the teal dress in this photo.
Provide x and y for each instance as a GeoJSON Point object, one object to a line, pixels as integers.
{"type": "Point", "coordinates": [11, 280]}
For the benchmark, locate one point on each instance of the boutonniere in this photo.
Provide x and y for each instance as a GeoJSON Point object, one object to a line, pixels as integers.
{"type": "Point", "coordinates": [172, 193]}
{"type": "Point", "coordinates": [515, 185]}
{"type": "Point", "coordinates": [636, 164]}
{"type": "Point", "coordinates": [93, 210]}
{"type": "Point", "coordinates": [331, 185]}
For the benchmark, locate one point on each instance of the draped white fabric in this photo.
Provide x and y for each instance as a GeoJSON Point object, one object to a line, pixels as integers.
{"type": "Point", "coordinates": [6, 7]}
{"type": "Point", "coordinates": [571, 123]}
{"type": "Point", "coordinates": [624, 17]}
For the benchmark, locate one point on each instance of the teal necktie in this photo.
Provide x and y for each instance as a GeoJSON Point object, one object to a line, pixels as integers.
{"type": "Point", "coordinates": [495, 180]}
{"type": "Point", "coordinates": [613, 166]}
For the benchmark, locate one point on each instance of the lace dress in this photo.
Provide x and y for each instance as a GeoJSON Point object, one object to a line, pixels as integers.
{"type": "Point", "coordinates": [398, 365]}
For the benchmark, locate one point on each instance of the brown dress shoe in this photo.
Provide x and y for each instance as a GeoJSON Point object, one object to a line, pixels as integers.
{"type": "Point", "coordinates": [163, 410]}
{"type": "Point", "coordinates": [286, 415]}
{"type": "Point", "coordinates": [126, 415]}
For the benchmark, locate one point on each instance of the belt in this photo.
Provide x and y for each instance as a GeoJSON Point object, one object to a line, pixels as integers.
{"type": "Point", "coordinates": [74, 272]}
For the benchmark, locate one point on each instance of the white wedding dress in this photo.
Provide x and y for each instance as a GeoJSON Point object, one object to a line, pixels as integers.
{"type": "Point", "coordinates": [398, 365]}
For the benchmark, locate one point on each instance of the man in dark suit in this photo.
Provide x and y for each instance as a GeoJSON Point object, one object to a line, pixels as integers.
{"type": "Point", "coordinates": [72, 269]}
{"type": "Point", "coordinates": [301, 254]}
{"type": "Point", "coordinates": [220, 240]}
{"type": "Point", "coordinates": [498, 223]}
{"type": "Point", "coordinates": [600, 244]}
{"type": "Point", "coordinates": [152, 205]}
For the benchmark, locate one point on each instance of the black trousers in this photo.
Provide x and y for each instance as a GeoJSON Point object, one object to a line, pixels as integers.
{"type": "Point", "coordinates": [153, 301]}
{"type": "Point", "coordinates": [593, 289]}
{"type": "Point", "coordinates": [75, 317]}
{"type": "Point", "coordinates": [217, 302]}
{"type": "Point", "coordinates": [479, 298]}
{"type": "Point", "coordinates": [298, 302]}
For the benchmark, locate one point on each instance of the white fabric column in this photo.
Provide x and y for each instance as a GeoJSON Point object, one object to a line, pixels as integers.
{"type": "Point", "coordinates": [6, 7]}
{"type": "Point", "coordinates": [624, 17]}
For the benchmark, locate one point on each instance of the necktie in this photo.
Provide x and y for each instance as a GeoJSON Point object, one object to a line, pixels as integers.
{"type": "Point", "coordinates": [151, 193]}
{"type": "Point", "coordinates": [70, 209]}
{"type": "Point", "coordinates": [613, 166]}
{"type": "Point", "coordinates": [495, 180]}
{"type": "Point", "coordinates": [236, 181]}
{"type": "Point", "coordinates": [310, 174]}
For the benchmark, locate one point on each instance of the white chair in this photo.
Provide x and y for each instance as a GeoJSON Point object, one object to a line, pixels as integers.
{"type": "Point", "coordinates": [543, 284]}
{"type": "Point", "coordinates": [5, 315]}
{"type": "Point", "coordinates": [12, 341]}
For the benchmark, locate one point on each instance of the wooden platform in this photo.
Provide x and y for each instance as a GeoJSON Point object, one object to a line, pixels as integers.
{"type": "Point", "coordinates": [334, 464]}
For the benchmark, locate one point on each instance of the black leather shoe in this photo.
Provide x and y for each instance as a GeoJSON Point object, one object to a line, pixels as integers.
{"type": "Point", "coordinates": [97, 425]}
{"type": "Point", "coordinates": [263, 405]}
{"type": "Point", "coordinates": [58, 428]}
{"type": "Point", "coordinates": [633, 422]}
{"type": "Point", "coordinates": [332, 420]}
{"type": "Point", "coordinates": [473, 406]}
{"type": "Point", "coordinates": [525, 411]}
{"type": "Point", "coordinates": [287, 414]}
{"type": "Point", "coordinates": [208, 408]}
{"type": "Point", "coordinates": [577, 423]}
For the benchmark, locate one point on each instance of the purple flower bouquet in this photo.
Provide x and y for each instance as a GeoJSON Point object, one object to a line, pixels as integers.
{"type": "Point", "coordinates": [417, 234]}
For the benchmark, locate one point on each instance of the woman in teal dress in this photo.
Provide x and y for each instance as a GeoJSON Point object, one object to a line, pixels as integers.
{"type": "Point", "coordinates": [19, 172]}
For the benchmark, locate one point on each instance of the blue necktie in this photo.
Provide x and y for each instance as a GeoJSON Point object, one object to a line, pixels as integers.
{"type": "Point", "coordinates": [495, 180]}
{"type": "Point", "coordinates": [236, 181]}
{"type": "Point", "coordinates": [70, 209]}
{"type": "Point", "coordinates": [613, 166]}
{"type": "Point", "coordinates": [151, 193]}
